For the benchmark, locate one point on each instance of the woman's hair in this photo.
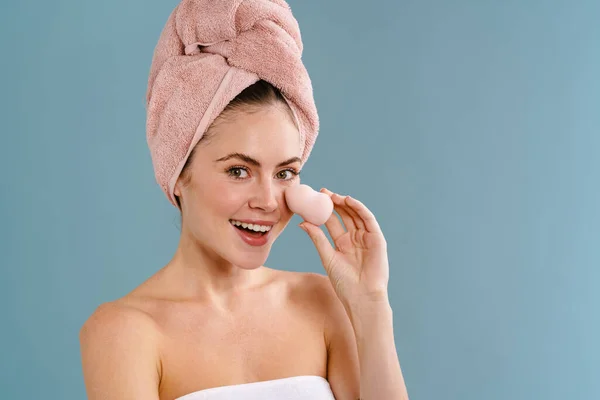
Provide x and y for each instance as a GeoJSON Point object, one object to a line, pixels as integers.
{"type": "Point", "coordinates": [250, 100]}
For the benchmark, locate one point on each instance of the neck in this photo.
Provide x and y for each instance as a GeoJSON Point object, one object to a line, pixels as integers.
{"type": "Point", "coordinates": [199, 273]}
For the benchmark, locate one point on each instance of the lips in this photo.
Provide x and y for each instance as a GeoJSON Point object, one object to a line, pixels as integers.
{"type": "Point", "coordinates": [252, 232]}
{"type": "Point", "coordinates": [258, 222]}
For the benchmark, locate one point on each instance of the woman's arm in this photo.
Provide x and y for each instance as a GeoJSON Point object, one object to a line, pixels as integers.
{"type": "Point", "coordinates": [358, 270]}
{"type": "Point", "coordinates": [380, 372]}
{"type": "Point", "coordinates": [343, 372]}
{"type": "Point", "coordinates": [119, 354]}
{"type": "Point", "coordinates": [362, 362]}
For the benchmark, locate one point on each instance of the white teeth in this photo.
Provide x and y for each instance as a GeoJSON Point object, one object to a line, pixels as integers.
{"type": "Point", "coordinates": [256, 228]}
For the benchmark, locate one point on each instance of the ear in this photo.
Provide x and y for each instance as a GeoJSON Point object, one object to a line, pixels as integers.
{"type": "Point", "coordinates": [176, 190]}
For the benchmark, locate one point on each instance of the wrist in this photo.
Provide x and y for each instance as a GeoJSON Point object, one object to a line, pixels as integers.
{"type": "Point", "coordinates": [369, 303]}
{"type": "Point", "coordinates": [369, 312]}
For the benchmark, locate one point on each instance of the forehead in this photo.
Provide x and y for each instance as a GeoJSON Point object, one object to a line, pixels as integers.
{"type": "Point", "coordinates": [266, 134]}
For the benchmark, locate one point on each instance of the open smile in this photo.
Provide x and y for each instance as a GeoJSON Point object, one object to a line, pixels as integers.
{"type": "Point", "coordinates": [254, 234]}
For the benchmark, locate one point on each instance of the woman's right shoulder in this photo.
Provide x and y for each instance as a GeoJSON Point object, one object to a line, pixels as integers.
{"type": "Point", "coordinates": [119, 353]}
{"type": "Point", "coordinates": [117, 319]}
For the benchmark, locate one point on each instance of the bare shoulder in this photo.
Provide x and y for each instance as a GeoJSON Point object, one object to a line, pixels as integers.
{"type": "Point", "coordinates": [316, 290]}
{"type": "Point", "coordinates": [119, 353]}
{"type": "Point", "coordinates": [117, 317]}
{"type": "Point", "coordinates": [310, 286]}
{"type": "Point", "coordinates": [343, 371]}
{"type": "Point", "coordinates": [319, 288]}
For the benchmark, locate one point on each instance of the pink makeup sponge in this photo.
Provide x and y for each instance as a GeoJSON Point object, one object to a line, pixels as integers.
{"type": "Point", "coordinates": [314, 207]}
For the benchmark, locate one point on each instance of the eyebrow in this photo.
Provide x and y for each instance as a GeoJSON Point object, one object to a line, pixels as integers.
{"type": "Point", "coordinates": [253, 161]}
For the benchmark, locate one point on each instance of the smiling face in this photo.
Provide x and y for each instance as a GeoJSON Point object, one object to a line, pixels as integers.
{"type": "Point", "coordinates": [238, 177]}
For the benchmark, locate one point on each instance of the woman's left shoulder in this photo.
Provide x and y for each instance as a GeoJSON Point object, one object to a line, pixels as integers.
{"type": "Point", "coordinates": [318, 284]}
{"type": "Point", "coordinates": [312, 288]}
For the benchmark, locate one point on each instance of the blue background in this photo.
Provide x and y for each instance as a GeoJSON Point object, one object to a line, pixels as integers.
{"type": "Point", "coordinates": [470, 128]}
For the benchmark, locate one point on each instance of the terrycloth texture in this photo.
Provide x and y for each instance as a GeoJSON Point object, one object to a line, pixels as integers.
{"type": "Point", "coordinates": [210, 51]}
{"type": "Point", "coordinates": [294, 388]}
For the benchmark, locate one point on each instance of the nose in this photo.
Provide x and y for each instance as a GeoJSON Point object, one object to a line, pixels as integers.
{"type": "Point", "coordinates": [266, 196]}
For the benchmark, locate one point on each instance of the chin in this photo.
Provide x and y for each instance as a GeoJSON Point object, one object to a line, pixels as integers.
{"type": "Point", "coordinates": [249, 261]}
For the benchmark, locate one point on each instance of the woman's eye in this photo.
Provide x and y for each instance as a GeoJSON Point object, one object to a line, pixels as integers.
{"type": "Point", "coordinates": [286, 174]}
{"type": "Point", "coordinates": [238, 172]}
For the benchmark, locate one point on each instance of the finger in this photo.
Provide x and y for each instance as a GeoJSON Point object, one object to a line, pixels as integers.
{"type": "Point", "coordinates": [324, 248]}
{"type": "Point", "coordinates": [341, 209]}
{"type": "Point", "coordinates": [369, 220]}
{"type": "Point", "coordinates": [340, 202]}
{"type": "Point", "coordinates": [358, 221]}
{"type": "Point", "coordinates": [333, 223]}
{"type": "Point", "coordinates": [334, 227]}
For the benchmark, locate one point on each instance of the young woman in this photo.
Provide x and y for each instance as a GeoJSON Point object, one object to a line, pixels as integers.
{"type": "Point", "coordinates": [215, 323]}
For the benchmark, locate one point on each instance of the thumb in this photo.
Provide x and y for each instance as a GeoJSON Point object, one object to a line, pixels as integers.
{"type": "Point", "coordinates": [324, 248]}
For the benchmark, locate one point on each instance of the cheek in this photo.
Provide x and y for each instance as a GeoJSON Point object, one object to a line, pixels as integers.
{"type": "Point", "coordinates": [286, 213]}
{"type": "Point", "coordinates": [226, 198]}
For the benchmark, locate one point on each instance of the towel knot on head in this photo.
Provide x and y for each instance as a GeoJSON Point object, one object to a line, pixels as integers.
{"type": "Point", "coordinates": [210, 51]}
{"type": "Point", "coordinates": [193, 49]}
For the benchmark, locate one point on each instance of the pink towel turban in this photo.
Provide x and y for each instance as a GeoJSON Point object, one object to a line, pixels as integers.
{"type": "Point", "coordinates": [208, 52]}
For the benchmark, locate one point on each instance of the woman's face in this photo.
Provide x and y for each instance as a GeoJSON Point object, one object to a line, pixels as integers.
{"type": "Point", "coordinates": [238, 177]}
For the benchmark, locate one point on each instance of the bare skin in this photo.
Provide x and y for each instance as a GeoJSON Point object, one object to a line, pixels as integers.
{"type": "Point", "coordinates": [274, 329]}
{"type": "Point", "coordinates": [215, 315]}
